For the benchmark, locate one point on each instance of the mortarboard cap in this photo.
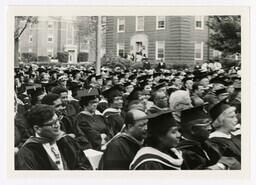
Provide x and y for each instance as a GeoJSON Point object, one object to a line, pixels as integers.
{"type": "Point", "coordinates": [160, 123]}
{"type": "Point", "coordinates": [188, 116]}
{"type": "Point", "coordinates": [217, 109]}
{"type": "Point", "coordinates": [112, 92]}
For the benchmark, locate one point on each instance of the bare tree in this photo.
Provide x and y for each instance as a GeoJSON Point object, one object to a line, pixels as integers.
{"type": "Point", "coordinates": [21, 23]}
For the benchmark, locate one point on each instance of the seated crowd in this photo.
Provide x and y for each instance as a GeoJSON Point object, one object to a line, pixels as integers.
{"type": "Point", "coordinates": [140, 119]}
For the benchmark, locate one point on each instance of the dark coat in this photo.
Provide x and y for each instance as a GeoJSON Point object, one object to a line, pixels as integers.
{"type": "Point", "coordinates": [92, 126]}
{"type": "Point", "coordinates": [197, 155]}
{"type": "Point", "coordinates": [228, 147]}
{"type": "Point", "coordinates": [32, 156]}
{"type": "Point", "coordinates": [114, 121]}
{"type": "Point", "coordinates": [70, 126]}
{"type": "Point", "coordinates": [120, 153]}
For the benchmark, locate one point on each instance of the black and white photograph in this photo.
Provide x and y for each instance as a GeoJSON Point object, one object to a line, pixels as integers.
{"type": "Point", "coordinates": [134, 92]}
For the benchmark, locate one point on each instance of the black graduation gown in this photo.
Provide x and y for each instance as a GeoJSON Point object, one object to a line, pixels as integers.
{"type": "Point", "coordinates": [228, 147]}
{"type": "Point", "coordinates": [70, 126]}
{"type": "Point", "coordinates": [32, 156]}
{"type": "Point", "coordinates": [198, 156]}
{"type": "Point", "coordinates": [120, 153]}
{"type": "Point", "coordinates": [114, 121]}
{"type": "Point", "coordinates": [92, 126]}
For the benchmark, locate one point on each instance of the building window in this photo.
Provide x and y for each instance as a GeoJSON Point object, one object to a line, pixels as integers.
{"type": "Point", "coordinates": [139, 23]}
{"type": "Point", "coordinates": [70, 34]}
{"type": "Point", "coordinates": [30, 38]}
{"type": "Point", "coordinates": [120, 49]}
{"type": "Point", "coordinates": [50, 53]}
{"type": "Point", "coordinates": [160, 47]}
{"type": "Point", "coordinates": [160, 22]}
{"type": "Point", "coordinates": [199, 22]}
{"type": "Point", "coordinates": [50, 25]}
{"type": "Point", "coordinates": [199, 50]}
{"type": "Point", "coordinates": [121, 24]}
{"type": "Point", "coordinates": [50, 38]}
{"type": "Point", "coordinates": [30, 50]}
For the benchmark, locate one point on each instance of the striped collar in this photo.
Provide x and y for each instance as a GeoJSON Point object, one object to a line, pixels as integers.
{"type": "Point", "coordinates": [146, 154]}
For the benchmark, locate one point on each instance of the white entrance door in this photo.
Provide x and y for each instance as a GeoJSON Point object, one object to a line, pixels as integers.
{"type": "Point", "coordinates": [71, 56]}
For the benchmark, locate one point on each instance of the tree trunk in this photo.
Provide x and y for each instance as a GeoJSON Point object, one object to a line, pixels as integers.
{"type": "Point", "coordinates": [16, 52]}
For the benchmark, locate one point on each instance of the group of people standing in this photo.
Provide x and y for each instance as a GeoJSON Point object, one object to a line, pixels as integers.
{"type": "Point", "coordinates": [140, 119]}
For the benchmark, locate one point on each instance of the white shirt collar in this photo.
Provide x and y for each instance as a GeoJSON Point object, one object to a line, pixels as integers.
{"type": "Point", "coordinates": [220, 134]}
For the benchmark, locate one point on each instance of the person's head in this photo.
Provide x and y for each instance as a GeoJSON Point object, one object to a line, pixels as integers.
{"type": "Point", "coordinates": [188, 84]}
{"type": "Point", "coordinates": [89, 99]}
{"type": "Point", "coordinates": [62, 80]}
{"type": "Point", "coordinates": [44, 121]}
{"type": "Point", "coordinates": [180, 100]}
{"type": "Point", "coordinates": [128, 87]}
{"type": "Point", "coordinates": [163, 131]}
{"type": "Point", "coordinates": [177, 83]}
{"type": "Point", "coordinates": [224, 117]}
{"type": "Point", "coordinates": [136, 124]}
{"type": "Point", "coordinates": [195, 124]}
{"type": "Point", "coordinates": [114, 97]}
{"type": "Point", "coordinates": [204, 82]}
{"type": "Point", "coordinates": [62, 92]}
{"type": "Point", "coordinates": [198, 89]}
{"type": "Point", "coordinates": [160, 99]}
{"type": "Point", "coordinates": [55, 101]}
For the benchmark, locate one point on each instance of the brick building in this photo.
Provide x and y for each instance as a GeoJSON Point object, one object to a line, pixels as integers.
{"type": "Point", "coordinates": [173, 39]}
{"type": "Point", "coordinates": [55, 34]}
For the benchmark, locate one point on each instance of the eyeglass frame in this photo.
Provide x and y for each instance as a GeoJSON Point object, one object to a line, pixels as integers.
{"type": "Point", "coordinates": [53, 123]}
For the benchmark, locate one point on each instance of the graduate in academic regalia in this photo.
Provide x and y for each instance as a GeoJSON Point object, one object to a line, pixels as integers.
{"type": "Point", "coordinates": [91, 124]}
{"type": "Point", "coordinates": [50, 148]}
{"type": "Point", "coordinates": [197, 151]}
{"type": "Point", "coordinates": [113, 114]}
{"type": "Point", "coordinates": [159, 152]}
{"type": "Point", "coordinates": [225, 122]}
{"type": "Point", "coordinates": [121, 150]}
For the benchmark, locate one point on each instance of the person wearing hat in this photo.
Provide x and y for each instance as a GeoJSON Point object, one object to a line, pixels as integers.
{"type": "Point", "coordinates": [113, 114]}
{"type": "Point", "coordinates": [160, 102]}
{"type": "Point", "coordinates": [159, 152]}
{"type": "Point", "coordinates": [36, 93]}
{"type": "Point", "coordinates": [121, 150]}
{"type": "Point", "coordinates": [225, 122]}
{"type": "Point", "coordinates": [198, 153]}
{"type": "Point", "coordinates": [50, 148]}
{"type": "Point", "coordinates": [92, 125]}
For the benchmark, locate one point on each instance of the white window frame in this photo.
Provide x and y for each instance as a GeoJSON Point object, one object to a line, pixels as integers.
{"type": "Point", "coordinates": [199, 18]}
{"type": "Point", "coordinates": [50, 35]}
{"type": "Point", "coordinates": [157, 47]}
{"type": "Point", "coordinates": [137, 23]}
{"type": "Point", "coordinates": [50, 51]}
{"type": "Point", "coordinates": [118, 48]}
{"type": "Point", "coordinates": [157, 19]}
{"type": "Point", "coordinates": [72, 34]}
{"type": "Point", "coordinates": [118, 24]}
{"type": "Point", "coordinates": [201, 50]}
{"type": "Point", "coordinates": [50, 23]}
{"type": "Point", "coordinates": [30, 38]}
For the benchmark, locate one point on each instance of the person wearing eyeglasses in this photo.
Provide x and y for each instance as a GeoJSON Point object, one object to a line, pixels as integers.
{"type": "Point", "coordinates": [50, 148]}
{"type": "Point", "coordinates": [67, 123]}
{"type": "Point", "coordinates": [197, 151]}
